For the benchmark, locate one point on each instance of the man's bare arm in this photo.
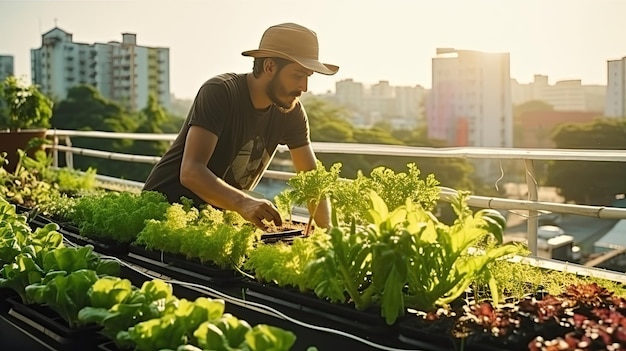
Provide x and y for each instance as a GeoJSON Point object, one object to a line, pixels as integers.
{"type": "Point", "coordinates": [195, 176]}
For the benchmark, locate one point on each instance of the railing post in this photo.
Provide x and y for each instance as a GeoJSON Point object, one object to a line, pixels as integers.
{"type": "Point", "coordinates": [69, 156]}
{"type": "Point", "coordinates": [531, 182]}
{"type": "Point", "coordinates": [55, 151]}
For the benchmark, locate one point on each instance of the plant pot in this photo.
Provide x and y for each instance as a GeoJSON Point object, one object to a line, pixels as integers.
{"type": "Point", "coordinates": [43, 320]}
{"type": "Point", "coordinates": [11, 141]}
{"type": "Point", "coordinates": [346, 316]}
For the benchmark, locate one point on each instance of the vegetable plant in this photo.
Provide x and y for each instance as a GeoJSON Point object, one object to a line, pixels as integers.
{"type": "Point", "coordinates": [175, 326]}
{"type": "Point", "coordinates": [285, 265]}
{"type": "Point", "coordinates": [449, 258]}
{"type": "Point", "coordinates": [13, 231]}
{"type": "Point", "coordinates": [209, 234]}
{"type": "Point", "coordinates": [311, 188]}
{"type": "Point", "coordinates": [27, 266]}
{"type": "Point", "coordinates": [229, 333]}
{"type": "Point", "coordinates": [404, 257]}
{"type": "Point", "coordinates": [393, 187]}
{"type": "Point", "coordinates": [117, 305]}
{"type": "Point", "coordinates": [65, 294]}
{"type": "Point", "coordinates": [25, 186]}
{"type": "Point", "coordinates": [117, 216]}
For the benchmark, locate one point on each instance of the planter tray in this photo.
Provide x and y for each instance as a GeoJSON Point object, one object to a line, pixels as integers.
{"type": "Point", "coordinates": [5, 294]}
{"type": "Point", "coordinates": [113, 249]}
{"type": "Point", "coordinates": [162, 263]}
{"type": "Point", "coordinates": [348, 317]}
{"type": "Point", "coordinates": [49, 323]}
{"type": "Point", "coordinates": [437, 340]}
{"type": "Point", "coordinates": [205, 269]}
{"type": "Point", "coordinates": [285, 236]}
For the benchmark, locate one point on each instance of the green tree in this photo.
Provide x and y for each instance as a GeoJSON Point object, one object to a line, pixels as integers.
{"type": "Point", "coordinates": [152, 119]}
{"type": "Point", "coordinates": [589, 182]}
{"type": "Point", "coordinates": [85, 109]}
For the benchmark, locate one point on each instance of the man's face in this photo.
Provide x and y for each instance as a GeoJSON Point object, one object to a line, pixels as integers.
{"type": "Point", "coordinates": [287, 85]}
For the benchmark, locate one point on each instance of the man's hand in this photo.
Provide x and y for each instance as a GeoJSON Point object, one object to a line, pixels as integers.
{"type": "Point", "coordinates": [259, 210]}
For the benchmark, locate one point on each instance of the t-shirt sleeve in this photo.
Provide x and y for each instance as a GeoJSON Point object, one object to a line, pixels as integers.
{"type": "Point", "coordinates": [209, 108]}
{"type": "Point", "coordinates": [296, 133]}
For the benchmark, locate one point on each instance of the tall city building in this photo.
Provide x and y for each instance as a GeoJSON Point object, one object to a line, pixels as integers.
{"type": "Point", "coordinates": [120, 71]}
{"type": "Point", "coordinates": [565, 95]}
{"type": "Point", "coordinates": [6, 66]}
{"type": "Point", "coordinates": [616, 89]}
{"type": "Point", "coordinates": [349, 93]}
{"type": "Point", "coordinates": [409, 103]}
{"type": "Point", "coordinates": [470, 100]}
{"type": "Point", "coordinates": [400, 106]}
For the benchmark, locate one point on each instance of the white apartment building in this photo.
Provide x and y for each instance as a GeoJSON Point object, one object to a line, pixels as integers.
{"type": "Point", "coordinates": [349, 93]}
{"type": "Point", "coordinates": [124, 72]}
{"type": "Point", "coordinates": [409, 103]}
{"type": "Point", "coordinates": [470, 100]}
{"type": "Point", "coordinates": [401, 106]}
{"type": "Point", "coordinates": [565, 95]}
{"type": "Point", "coordinates": [616, 89]}
{"type": "Point", "coordinates": [6, 66]}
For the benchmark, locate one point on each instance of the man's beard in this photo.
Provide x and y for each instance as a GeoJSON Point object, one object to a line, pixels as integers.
{"type": "Point", "coordinates": [271, 90]}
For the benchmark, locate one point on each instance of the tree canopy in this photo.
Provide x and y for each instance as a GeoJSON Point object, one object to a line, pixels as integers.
{"type": "Point", "coordinates": [85, 109]}
{"type": "Point", "coordinates": [589, 182]}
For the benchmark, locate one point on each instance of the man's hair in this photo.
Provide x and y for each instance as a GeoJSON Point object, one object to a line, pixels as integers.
{"type": "Point", "coordinates": [257, 66]}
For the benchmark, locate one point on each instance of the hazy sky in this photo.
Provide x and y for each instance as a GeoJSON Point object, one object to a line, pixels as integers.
{"type": "Point", "coordinates": [370, 40]}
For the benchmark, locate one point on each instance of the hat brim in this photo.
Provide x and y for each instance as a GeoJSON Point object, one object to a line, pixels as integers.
{"type": "Point", "coordinates": [313, 65]}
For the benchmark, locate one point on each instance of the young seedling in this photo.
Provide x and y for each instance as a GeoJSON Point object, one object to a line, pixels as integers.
{"type": "Point", "coordinates": [312, 187]}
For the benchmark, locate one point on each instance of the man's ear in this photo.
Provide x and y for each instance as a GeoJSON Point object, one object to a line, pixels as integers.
{"type": "Point", "coordinates": [269, 66]}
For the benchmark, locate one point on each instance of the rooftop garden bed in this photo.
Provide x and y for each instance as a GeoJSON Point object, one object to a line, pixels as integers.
{"type": "Point", "coordinates": [386, 254]}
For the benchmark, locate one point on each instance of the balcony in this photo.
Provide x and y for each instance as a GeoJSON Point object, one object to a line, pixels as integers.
{"type": "Point", "coordinates": [353, 332]}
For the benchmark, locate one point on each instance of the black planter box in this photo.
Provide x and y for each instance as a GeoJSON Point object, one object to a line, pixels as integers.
{"type": "Point", "coordinates": [104, 247]}
{"type": "Point", "coordinates": [5, 295]}
{"type": "Point", "coordinates": [187, 264]}
{"type": "Point", "coordinates": [285, 236]}
{"type": "Point", "coordinates": [438, 334]}
{"type": "Point", "coordinates": [345, 316]}
{"type": "Point", "coordinates": [48, 324]}
{"type": "Point", "coordinates": [206, 269]}
{"type": "Point", "coordinates": [177, 266]}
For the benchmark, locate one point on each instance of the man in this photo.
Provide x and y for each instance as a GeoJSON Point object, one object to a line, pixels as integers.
{"type": "Point", "coordinates": [235, 124]}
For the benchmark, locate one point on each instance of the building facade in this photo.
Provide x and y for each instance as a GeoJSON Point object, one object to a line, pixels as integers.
{"type": "Point", "coordinates": [616, 89]}
{"type": "Point", "coordinates": [121, 71]}
{"type": "Point", "coordinates": [7, 67]}
{"type": "Point", "coordinates": [400, 106]}
{"type": "Point", "coordinates": [470, 100]}
{"type": "Point", "coordinates": [565, 95]}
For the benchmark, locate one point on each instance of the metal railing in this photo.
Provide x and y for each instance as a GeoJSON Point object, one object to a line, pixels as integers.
{"type": "Point", "coordinates": [61, 142]}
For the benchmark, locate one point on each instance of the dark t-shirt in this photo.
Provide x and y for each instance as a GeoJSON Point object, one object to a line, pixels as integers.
{"type": "Point", "coordinates": [247, 138]}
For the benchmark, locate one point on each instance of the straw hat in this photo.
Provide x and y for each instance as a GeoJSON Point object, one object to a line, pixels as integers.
{"type": "Point", "coordinates": [295, 43]}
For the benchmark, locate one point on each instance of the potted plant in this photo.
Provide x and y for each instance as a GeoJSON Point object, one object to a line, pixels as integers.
{"type": "Point", "coordinates": [25, 114]}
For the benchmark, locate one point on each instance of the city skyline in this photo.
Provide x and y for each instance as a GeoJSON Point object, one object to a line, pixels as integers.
{"type": "Point", "coordinates": [393, 41]}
